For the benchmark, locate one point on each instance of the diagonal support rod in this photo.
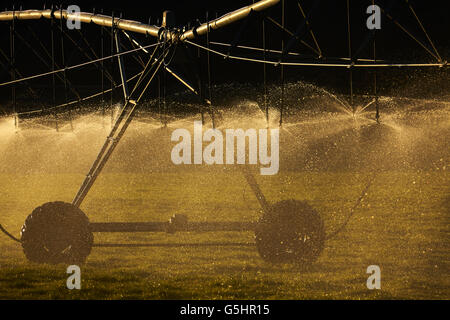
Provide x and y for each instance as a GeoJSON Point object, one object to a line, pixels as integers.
{"type": "Point", "coordinates": [313, 36]}
{"type": "Point", "coordinates": [410, 34]}
{"type": "Point", "coordinates": [273, 21]}
{"type": "Point", "coordinates": [250, 178]}
{"type": "Point", "coordinates": [134, 44]}
{"type": "Point", "coordinates": [123, 75]}
{"type": "Point", "coordinates": [177, 77]}
{"type": "Point", "coordinates": [424, 30]}
{"type": "Point", "coordinates": [301, 31]}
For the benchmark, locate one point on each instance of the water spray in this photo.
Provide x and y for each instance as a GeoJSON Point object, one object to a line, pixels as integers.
{"type": "Point", "coordinates": [288, 231]}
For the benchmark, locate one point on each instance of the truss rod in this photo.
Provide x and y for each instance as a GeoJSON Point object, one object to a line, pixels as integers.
{"type": "Point", "coordinates": [74, 66]}
{"type": "Point", "coordinates": [136, 58]}
{"type": "Point", "coordinates": [301, 31]}
{"type": "Point", "coordinates": [375, 65]}
{"type": "Point", "coordinates": [98, 94]}
{"type": "Point", "coordinates": [410, 34]}
{"type": "Point", "coordinates": [308, 25]}
{"type": "Point", "coordinates": [179, 78]}
{"type": "Point", "coordinates": [135, 44]}
{"type": "Point", "coordinates": [292, 35]}
{"type": "Point", "coordinates": [132, 40]}
{"type": "Point", "coordinates": [186, 84]}
{"type": "Point", "coordinates": [287, 53]}
{"type": "Point", "coordinates": [424, 30]}
{"type": "Point", "coordinates": [307, 64]}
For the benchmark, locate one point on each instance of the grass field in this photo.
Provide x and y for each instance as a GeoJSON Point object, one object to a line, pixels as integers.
{"type": "Point", "coordinates": [326, 158]}
{"type": "Point", "coordinates": [402, 226]}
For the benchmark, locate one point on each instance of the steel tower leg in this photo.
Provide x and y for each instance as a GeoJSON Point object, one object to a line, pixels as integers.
{"type": "Point", "coordinates": [250, 178]}
{"type": "Point", "coordinates": [120, 126]}
{"type": "Point", "coordinates": [12, 63]}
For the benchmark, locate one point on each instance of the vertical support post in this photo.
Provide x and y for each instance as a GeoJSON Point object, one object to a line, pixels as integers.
{"type": "Point", "coordinates": [52, 38]}
{"type": "Point", "coordinates": [377, 114]}
{"type": "Point", "coordinates": [266, 107]}
{"type": "Point", "coordinates": [350, 55]}
{"type": "Point", "coordinates": [200, 84]}
{"type": "Point", "coordinates": [209, 71]}
{"type": "Point", "coordinates": [282, 67]}
{"type": "Point", "coordinates": [112, 68]}
{"type": "Point", "coordinates": [159, 99]}
{"type": "Point", "coordinates": [13, 62]}
{"type": "Point", "coordinates": [164, 94]}
{"type": "Point", "coordinates": [164, 80]}
{"type": "Point", "coordinates": [63, 60]}
{"type": "Point", "coordinates": [102, 53]}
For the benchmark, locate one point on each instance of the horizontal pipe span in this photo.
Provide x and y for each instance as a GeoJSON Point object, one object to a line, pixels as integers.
{"type": "Point", "coordinates": [84, 17]}
{"type": "Point", "coordinates": [135, 26]}
{"type": "Point", "coordinates": [167, 227]}
{"type": "Point", "coordinates": [228, 18]}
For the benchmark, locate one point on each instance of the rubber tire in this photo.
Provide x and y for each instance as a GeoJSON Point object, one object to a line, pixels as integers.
{"type": "Point", "coordinates": [291, 231]}
{"type": "Point", "coordinates": [57, 232]}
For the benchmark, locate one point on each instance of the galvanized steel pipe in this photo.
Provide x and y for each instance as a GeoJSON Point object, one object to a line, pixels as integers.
{"type": "Point", "coordinates": [138, 27]}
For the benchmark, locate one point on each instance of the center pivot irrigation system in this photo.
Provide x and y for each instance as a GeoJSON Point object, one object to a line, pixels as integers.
{"type": "Point", "coordinates": [288, 231]}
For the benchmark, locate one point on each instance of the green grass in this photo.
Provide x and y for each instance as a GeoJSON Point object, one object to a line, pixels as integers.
{"type": "Point", "coordinates": [401, 225]}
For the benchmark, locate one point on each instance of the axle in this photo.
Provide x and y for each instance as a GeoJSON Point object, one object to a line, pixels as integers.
{"type": "Point", "coordinates": [171, 227]}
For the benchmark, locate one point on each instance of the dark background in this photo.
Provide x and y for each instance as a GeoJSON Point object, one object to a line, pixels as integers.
{"type": "Point", "coordinates": [329, 22]}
